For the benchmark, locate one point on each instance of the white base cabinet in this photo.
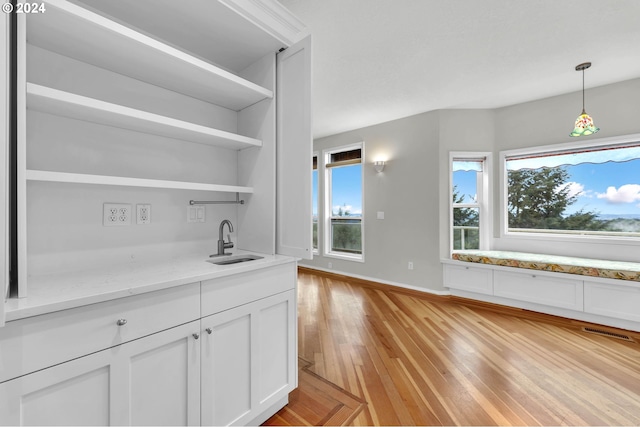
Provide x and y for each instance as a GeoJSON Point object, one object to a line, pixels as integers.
{"type": "Point", "coordinates": [597, 300]}
{"type": "Point", "coordinates": [154, 380]}
{"type": "Point", "coordinates": [248, 359]}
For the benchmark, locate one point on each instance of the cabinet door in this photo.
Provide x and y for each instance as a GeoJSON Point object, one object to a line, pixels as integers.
{"type": "Point", "coordinates": [293, 151]}
{"type": "Point", "coordinates": [153, 381]}
{"type": "Point", "coordinates": [248, 359]}
{"type": "Point", "coordinates": [161, 375]}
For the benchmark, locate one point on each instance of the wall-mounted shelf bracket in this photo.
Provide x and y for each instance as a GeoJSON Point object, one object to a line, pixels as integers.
{"type": "Point", "coordinates": [237, 201]}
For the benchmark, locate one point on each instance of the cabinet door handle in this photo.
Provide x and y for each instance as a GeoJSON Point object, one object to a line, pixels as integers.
{"type": "Point", "coordinates": [121, 322]}
{"type": "Point", "coordinates": [196, 336]}
{"type": "Point", "coordinates": [209, 331]}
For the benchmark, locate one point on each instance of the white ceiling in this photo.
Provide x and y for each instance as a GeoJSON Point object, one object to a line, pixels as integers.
{"type": "Point", "coordinates": [379, 60]}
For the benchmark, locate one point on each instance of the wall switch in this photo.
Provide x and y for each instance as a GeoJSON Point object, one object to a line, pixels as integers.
{"type": "Point", "coordinates": [410, 265]}
{"type": "Point", "coordinates": [143, 214]}
{"type": "Point", "coordinates": [116, 214]}
{"type": "Point", "coordinates": [195, 213]}
{"type": "Point", "coordinates": [380, 215]}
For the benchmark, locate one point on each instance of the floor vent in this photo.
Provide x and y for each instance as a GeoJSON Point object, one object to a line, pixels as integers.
{"type": "Point", "coordinates": [608, 334]}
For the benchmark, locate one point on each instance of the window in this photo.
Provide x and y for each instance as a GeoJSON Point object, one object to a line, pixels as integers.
{"type": "Point", "coordinates": [314, 198]}
{"type": "Point", "coordinates": [469, 202]}
{"type": "Point", "coordinates": [343, 206]}
{"type": "Point", "coordinates": [588, 190]}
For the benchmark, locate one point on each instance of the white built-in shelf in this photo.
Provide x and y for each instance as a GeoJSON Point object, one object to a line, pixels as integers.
{"type": "Point", "coordinates": [60, 103]}
{"type": "Point", "coordinates": [77, 178]}
{"type": "Point", "coordinates": [78, 33]}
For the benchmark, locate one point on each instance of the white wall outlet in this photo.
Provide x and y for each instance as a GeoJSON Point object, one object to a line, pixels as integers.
{"type": "Point", "coordinates": [116, 214]}
{"type": "Point", "coordinates": [410, 265]}
{"type": "Point", "coordinates": [330, 265]}
{"type": "Point", "coordinates": [380, 215]}
{"type": "Point", "coordinates": [143, 214]}
{"type": "Point", "coordinates": [195, 213]}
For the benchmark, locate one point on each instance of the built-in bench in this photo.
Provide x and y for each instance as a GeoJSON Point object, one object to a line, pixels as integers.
{"type": "Point", "coordinates": [598, 291]}
{"type": "Point", "coordinates": [560, 264]}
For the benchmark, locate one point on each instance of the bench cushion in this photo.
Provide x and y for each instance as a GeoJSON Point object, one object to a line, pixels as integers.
{"type": "Point", "coordinates": [561, 264]}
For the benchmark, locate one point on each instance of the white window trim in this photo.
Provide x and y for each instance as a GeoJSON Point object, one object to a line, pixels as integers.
{"type": "Point", "coordinates": [316, 251]}
{"type": "Point", "coordinates": [486, 217]}
{"type": "Point", "coordinates": [550, 236]}
{"type": "Point", "coordinates": [326, 220]}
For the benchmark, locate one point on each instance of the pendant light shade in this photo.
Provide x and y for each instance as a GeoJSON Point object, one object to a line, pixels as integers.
{"type": "Point", "coordinates": [584, 123]}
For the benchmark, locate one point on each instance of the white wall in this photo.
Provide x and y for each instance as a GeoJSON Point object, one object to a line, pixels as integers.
{"type": "Point", "coordinates": [413, 190]}
{"type": "Point", "coordinates": [406, 191]}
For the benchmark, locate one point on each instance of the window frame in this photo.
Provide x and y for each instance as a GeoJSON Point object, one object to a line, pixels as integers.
{"type": "Point", "coordinates": [316, 154]}
{"type": "Point", "coordinates": [551, 235]}
{"type": "Point", "coordinates": [484, 198]}
{"type": "Point", "coordinates": [327, 211]}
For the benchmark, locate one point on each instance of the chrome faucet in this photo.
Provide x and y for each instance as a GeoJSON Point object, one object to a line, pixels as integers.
{"type": "Point", "coordinates": [222, 245]}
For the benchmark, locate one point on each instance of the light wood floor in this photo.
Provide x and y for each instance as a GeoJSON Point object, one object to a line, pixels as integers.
{"type": "Point", "coordinates": [420, 360]}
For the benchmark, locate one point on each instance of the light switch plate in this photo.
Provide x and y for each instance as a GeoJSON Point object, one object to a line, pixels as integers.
{"type": "Point", "coordinates": [196, 213]}
{"type": "Point", "coordinates": [380, 215]}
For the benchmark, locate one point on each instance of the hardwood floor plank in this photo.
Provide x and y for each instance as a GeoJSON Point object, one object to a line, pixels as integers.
{"type": "Point", "coordinates": [418, 359]}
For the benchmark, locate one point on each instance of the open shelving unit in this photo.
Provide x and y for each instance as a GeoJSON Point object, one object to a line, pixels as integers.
{"type": "Point", "coordinates": [77, 178]}
{"type": "Point", "coordinates": [78, 33]}
{"type": "Point", "coordinates": [74, 106]}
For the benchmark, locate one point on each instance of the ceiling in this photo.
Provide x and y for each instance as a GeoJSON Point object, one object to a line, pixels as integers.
{"type": "Point", "coordinates": [380, 60]}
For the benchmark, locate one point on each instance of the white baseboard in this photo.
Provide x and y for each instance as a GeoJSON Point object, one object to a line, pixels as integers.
{"type": "Point", "coordinates": [375, 279]}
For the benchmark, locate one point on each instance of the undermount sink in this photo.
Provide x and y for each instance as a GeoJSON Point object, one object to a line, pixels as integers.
{"type": "Point", "coordinates": [234, 259]}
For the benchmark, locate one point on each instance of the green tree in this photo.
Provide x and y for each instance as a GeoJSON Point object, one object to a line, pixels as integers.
{"type": "Point", "coordinates": [538, 199]}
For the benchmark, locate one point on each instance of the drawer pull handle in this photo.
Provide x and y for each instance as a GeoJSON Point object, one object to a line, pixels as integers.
{"type": "Point", "coordinates": [121, 322]}
{"type": "Point", "coordinates": [196, 336]}
{"type": "Point", "coordinates": [209, 331]}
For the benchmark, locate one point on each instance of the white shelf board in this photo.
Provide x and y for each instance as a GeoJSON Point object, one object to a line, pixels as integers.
{"type": "Point", "coordinates": [78, 33]}
{"type": "Point", "coordinates": [67, 104]}
{"type": "Point", "coordinates": [77, 178]}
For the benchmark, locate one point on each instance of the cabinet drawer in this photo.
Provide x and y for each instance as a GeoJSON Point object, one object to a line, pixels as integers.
{"type": "Point", "coordinates": [228, 292]}
{"type": "Point", "coordinates": [37, 342]}
{"type": "Point", "coordinates": [539, 288]}
{"type": "Point", "coordinates": [468, 278]}
{"type": "Point", "coordinates": [617, 301]}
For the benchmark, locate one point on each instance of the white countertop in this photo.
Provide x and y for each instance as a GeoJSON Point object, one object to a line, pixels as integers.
{"type": "Point", "coordinates": [62, 291]}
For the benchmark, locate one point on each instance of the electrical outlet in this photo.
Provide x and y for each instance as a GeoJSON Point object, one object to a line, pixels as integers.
{"type": "Point", "coordinates": [116, 214]}
{"type": "Point", "coordinates": [330, 265]}
{"type": "Point", "coordinates": [195, 213]}
{"type": "Point", "coordinates": [143, 214]}
{"type": "Point", "coordinates": [410, 265]}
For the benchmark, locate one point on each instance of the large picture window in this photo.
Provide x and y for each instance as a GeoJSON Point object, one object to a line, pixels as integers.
{"type": "Point", "coordinates": [588, 190]}
{"type": "Point", "coordinates": [343, 206]}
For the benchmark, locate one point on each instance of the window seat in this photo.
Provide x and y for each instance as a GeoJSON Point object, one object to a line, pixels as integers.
{"type": "Point", "coordinates": [560, 264]}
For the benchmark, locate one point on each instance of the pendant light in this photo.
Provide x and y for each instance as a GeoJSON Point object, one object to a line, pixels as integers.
{"type": "Point", "coordinates": [584, 123]}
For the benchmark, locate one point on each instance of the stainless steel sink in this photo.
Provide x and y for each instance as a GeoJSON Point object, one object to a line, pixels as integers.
{"type": "Point", "coordinates": [234, 259]}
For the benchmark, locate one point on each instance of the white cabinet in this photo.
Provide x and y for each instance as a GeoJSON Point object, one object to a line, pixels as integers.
{"type": "Point", "coordinates": [467, 278]}
{"type": "Point", "coordinates": [539, 288]}
{"type": "Point", "coordinates": [618, 301]}
{"type": "Point", "coordinates": [248, 359]}
{"type": "Point", "coordinates": [151, 381]}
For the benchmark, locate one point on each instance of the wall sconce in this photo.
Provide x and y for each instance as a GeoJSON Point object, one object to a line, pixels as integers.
{"type": "Point", "coordinates": [378, 165]}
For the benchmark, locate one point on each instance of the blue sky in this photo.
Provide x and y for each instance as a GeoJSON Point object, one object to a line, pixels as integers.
{"type": "Point", "coordinates": [347, 189]}
{"type": "Point", "coordinates": [607, 188]}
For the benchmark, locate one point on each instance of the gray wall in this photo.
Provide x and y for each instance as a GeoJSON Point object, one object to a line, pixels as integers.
{"type": "Point", "coordinates": [413, 190]}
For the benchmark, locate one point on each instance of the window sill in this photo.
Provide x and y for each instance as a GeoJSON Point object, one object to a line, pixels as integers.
{"type": "Point", "coordinates": [345, 256]}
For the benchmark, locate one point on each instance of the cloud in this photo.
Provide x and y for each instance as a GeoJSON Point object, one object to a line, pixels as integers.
{"type": "Point", "coordinates": [347, 208]}
{"type": "Point", "coordinates": [575, 189]}
{"type": "Point", "coordinates": [627, 193]}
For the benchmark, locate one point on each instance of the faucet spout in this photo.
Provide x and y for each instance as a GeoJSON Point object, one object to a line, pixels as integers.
{"type": "Point", "coordinates": [222, 245]}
